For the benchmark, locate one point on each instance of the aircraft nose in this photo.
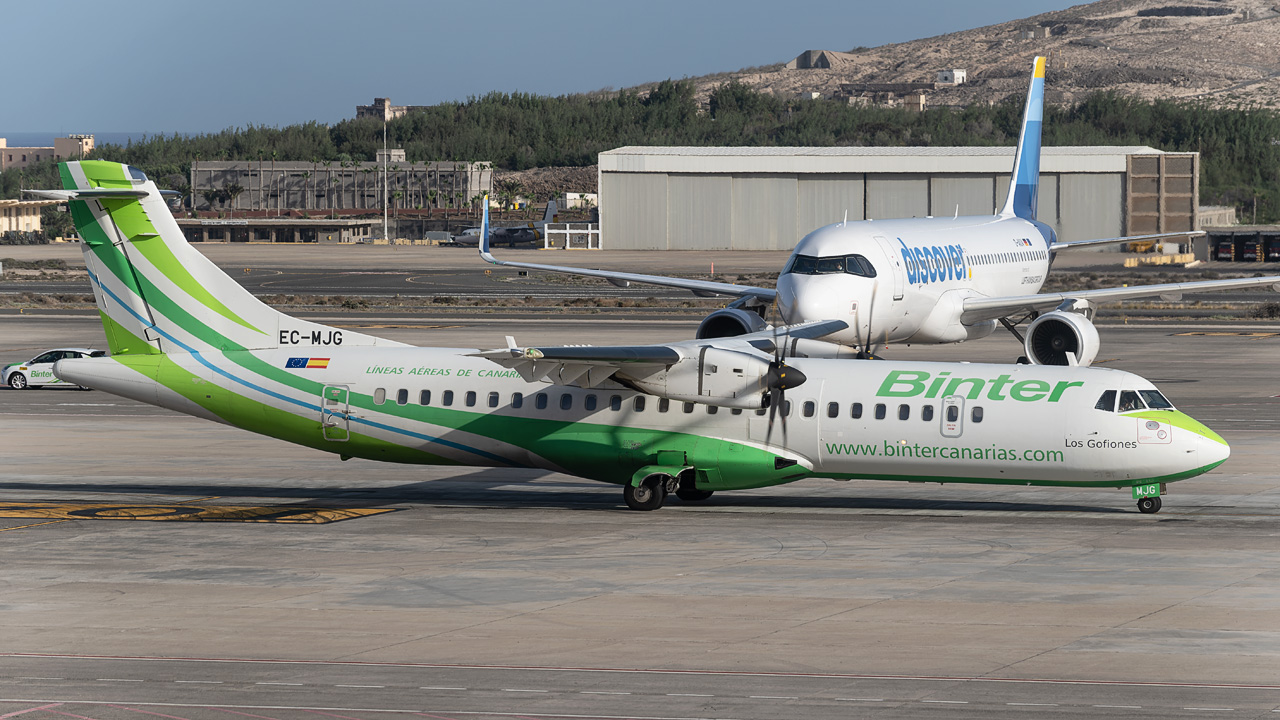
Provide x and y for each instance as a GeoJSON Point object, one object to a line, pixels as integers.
{"type": "Point", "coordinates": [1211, 451]}
{"type": "Point", "coordinates": [806, 298]}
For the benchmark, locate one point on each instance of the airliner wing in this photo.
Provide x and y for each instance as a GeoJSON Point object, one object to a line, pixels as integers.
{"type": "Point", "coordinates": [705, 288]}
{"type": "Point", "coordinates": [1078, 244]}
{"type": "Point", "coordinates": [981, 308]}
{"type": "Point", "coordinates": [589, 365]}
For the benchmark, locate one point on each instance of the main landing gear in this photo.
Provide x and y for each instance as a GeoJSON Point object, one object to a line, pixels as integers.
{"type": "Point", "coordinates": [653, 491]}
{"type": "Point", "coordinates": [648, 495]}
{"type": "Point", "coordinates": [1149, 505]}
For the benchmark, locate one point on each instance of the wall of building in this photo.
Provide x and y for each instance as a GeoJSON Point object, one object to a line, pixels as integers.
{"type": "Point", "coordinates": [307, 186]}
{"type": "Point", "coordinates": [1081, 197]}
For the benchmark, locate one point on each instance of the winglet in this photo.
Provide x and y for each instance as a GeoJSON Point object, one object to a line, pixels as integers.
{"type": "Point", "coordinates": [1025, 180]}
{"type": "Point", "coordinates": [484, 233]}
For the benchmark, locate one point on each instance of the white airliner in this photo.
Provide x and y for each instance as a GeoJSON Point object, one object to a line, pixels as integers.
{"type": "Point", "coordinates": [512, 236]}
{"type": "Point", "coordinates": [690, 418]}
{"type": "Point", "coordinates": [932, 280]}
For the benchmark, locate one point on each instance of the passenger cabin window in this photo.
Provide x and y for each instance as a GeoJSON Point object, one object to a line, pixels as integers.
{"type": "Point", "coordinates": [735, 411]}
{"type": "Point", "coordinates": [471, 398]}
{"type": "Point", "coordinates": [953, 413]}
{"type": "Point", "coordinates": [589, 403]}
{"type": "Point", "coordinates": [1107, 401]}
{"type": "Point", "coordinates": [493, 399]}
{"type": "Point", "coordinates": [833, 410]}
{"type": "Point", "coordinates": [1129, 401]}
{"type": "Point", "coordinates": [809, 408]}
{"type": "Point", "coordinates": [540, 401]}
{"type": "Point", "coordinates": [904, 412]}
{"type": "Point", "coordinates": [615, 403]}
{"type": "Point", "coordinates": [976, 414]}
{"type": "Point", "coordinates": [881, 411]}
{"type": "Point", "coordinates": [639, 403]}
{"type": "Point", "coordinates": [786, 409]}
{"type": "Point", "coordinates": [379, 396]}
{"type": "Point", "coordinates": [566, 402]}
{"type": "Point", "coordinates": [447, 398]}
{"type": "Point", "coordinates": [402, 397]}
{"type": "Point", "coordinates": [424, 397]}
{"type": "Point", "coordinates": [517, 400]}
{"type": "Point", "coordinates": [926, 413]}
{"type": "Point", "coordinates": [855, 411]}
{"type": "Point", "coordinates": [712, 409]}
{"type": "Point", "coordinates": [688, 407]}
{"type": "Point", "coordinates": [664, 405]}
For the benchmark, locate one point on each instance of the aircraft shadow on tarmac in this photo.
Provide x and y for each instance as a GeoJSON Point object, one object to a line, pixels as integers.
{"type": "Point", "coordinates": [528, 489]}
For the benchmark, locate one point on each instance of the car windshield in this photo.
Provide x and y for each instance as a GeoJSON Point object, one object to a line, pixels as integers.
{"type": "Point", "coordinates": [1155, 400]}
{"type": "Point", "coordinates": [832, 265]}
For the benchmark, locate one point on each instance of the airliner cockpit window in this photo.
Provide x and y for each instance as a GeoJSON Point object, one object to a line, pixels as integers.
{"type": "Point", "coordinates": [1129, 401]}
{"type": "Point", "coordinates": [1107, 401]}
{"type": "Point", "coordinates": [1155, 400]}
{"type": "Point", "coordinates": [834, 265]}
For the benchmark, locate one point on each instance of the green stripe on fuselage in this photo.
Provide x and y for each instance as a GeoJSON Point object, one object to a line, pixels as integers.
{"type": "Point", "coordinates": [1179, 420]}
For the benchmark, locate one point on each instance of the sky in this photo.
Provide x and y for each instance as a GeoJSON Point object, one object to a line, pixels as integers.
{"type": "Point", "coordinates": [162, 67]}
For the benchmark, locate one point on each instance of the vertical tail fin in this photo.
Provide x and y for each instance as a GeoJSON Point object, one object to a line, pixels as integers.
{"type": "Point", "coordinates": [1025, 181]}
{"type": "Point", "coordinates": [156, 293]}
{"type": "Point", "coordinates": [550, 214]}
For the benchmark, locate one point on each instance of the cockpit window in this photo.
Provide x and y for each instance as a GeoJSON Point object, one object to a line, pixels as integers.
{"type": "Point", "coordinates": [1107, 401]}
{"type": "Point", "coordinates": [1129, 401]}
{"type": "Point", "coordinates": [1155, 400]}
{"type": "Point", "coordinates": [832, 265]}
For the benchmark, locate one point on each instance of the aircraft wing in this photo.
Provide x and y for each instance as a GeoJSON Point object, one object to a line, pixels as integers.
{"type": "Point", "coordinates": [1078, 244]}
{"type": "Point", "coordinates": [982, 308]}
{"type": "Point", "coordinates": [589, 365]}
{"type": "Point", "coordinates": [705, 288]}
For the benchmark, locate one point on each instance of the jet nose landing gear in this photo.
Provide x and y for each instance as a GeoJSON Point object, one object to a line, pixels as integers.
{"type": "Point", "coordinates": [1148, 497]}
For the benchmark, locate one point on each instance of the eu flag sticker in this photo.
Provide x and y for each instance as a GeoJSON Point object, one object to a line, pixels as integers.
{"type": "Point", "coordinates": [297, 363]}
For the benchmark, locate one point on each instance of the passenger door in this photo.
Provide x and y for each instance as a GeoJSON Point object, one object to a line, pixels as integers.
{"type": "Point", "coordinates": [335, 413]}
{"type": "Point", "coordinates": [895, 264]}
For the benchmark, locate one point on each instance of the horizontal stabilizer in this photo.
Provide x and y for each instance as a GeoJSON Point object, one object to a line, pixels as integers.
{"type": "Point", "coordinates": [92, 194]}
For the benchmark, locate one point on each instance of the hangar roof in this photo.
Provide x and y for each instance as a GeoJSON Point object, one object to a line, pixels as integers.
{"type": "Point", "coordinates": [803, 160]}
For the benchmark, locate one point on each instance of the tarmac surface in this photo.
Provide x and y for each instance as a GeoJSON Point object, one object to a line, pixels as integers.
{"type": "Point", "coordinates": [139, 580]}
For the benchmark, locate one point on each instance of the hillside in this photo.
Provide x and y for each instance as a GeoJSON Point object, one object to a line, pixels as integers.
{"type": "Point", "coordinates": [1221, 51]}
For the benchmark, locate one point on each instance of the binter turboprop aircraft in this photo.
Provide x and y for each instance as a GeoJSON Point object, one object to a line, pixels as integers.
{"type": "Point", "coordinates": [690, 418]}
{"type": "Point", "coordinates": [932, 280]}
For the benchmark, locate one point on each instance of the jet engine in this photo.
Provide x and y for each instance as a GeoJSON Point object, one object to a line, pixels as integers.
{"type": "Point", "coordinates": [1061, 338]}
{"type": "Point", "coordinates": [730, 322]}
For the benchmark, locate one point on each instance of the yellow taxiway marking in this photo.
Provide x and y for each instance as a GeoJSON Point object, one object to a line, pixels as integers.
{"type": "Point", "coordinates": [62, 512]}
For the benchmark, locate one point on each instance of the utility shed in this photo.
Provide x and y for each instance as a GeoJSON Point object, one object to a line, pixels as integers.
{"type": "Point", "coordinates": [767, 198]}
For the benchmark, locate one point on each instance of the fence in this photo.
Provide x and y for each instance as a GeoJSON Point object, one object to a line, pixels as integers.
{"type": "Point", "coordinates": [571, 236]}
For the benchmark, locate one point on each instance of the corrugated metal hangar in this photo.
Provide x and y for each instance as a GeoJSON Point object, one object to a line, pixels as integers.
{"type": "Point", "coordinates": [767, 198]}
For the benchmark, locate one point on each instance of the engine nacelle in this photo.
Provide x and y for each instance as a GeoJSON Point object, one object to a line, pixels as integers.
{"type": "Point", "coordinates": [730, 322]}
{"type": "Point", "coordinates": [1061, 338]}
{"type": "Point", "coordinates": [714, 376]}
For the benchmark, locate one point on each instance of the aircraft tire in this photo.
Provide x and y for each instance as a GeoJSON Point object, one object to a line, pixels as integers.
{"type": "Point", "coordinates": [648, 496]}
{"type": "Point", "coordinates": [692, 495]}
{"type": "Point", "coordinates": [1149, 505]}
{"type": "Point", "coordinates": [18, 381]}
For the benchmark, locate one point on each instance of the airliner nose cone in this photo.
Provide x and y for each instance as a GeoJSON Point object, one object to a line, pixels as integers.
{"type": "Point", "coordinates": [1211, 452]}
{"type": "Point", "coordinates": [805, 298]}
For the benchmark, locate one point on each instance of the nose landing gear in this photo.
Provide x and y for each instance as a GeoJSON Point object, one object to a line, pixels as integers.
{"type": "Point", "coordinates": [1149, 505]}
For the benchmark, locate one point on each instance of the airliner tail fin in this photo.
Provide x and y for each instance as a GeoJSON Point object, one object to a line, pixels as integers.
{"type": "Point", "coordinates": [1025, 181]}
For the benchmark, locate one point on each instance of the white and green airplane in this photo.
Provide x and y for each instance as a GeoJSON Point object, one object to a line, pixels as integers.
{"type": "Point", "coordinates": [691, 417]}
